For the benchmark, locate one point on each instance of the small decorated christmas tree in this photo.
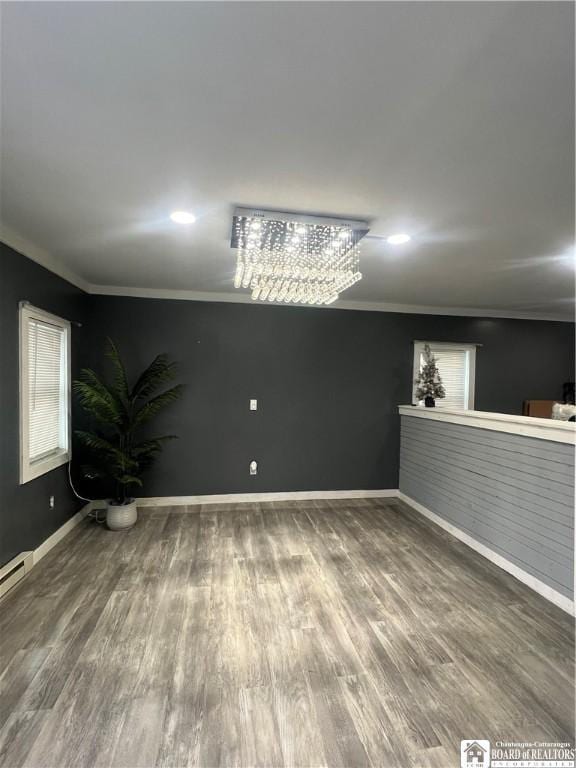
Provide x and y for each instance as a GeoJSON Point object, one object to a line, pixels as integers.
{"type": "Point", "coordinates": [429, 382]}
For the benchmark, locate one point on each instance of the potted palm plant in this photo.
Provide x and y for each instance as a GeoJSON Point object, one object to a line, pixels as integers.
{"type": "Point", "coordinates": [118, 413]}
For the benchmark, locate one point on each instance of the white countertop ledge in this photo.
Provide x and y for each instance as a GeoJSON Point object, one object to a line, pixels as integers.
{"type": "Point", "coordinates": [543, 429]}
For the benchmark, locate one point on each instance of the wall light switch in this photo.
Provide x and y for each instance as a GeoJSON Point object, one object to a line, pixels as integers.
{"type": "Point", "coordinates": [253, 405]}
{"type": "Point", "coordinates": [253, 468]}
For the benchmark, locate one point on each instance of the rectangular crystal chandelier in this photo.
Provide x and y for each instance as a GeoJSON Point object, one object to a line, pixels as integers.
{"type": "Point", "coordinates": [295, 258]}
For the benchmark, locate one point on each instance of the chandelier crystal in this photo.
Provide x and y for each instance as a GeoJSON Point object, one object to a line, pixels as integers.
{"type": "Point", "coordinates": [295, 259]}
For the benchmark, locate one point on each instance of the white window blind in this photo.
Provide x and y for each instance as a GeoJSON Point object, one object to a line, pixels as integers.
{"type": "Point", "coordinates": [456, 366]}
{"type": "Point", "coordinates": [44, 392]}
{"type": "Point", "coordinates": [46, 389]}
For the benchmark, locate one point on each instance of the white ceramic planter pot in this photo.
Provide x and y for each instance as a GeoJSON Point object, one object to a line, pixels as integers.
{"type": "Point", "coordinates": [121, 516]}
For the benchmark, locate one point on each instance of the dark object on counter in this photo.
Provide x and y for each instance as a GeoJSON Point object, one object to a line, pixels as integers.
{"type": "Point", "coordinates": [568, 393]}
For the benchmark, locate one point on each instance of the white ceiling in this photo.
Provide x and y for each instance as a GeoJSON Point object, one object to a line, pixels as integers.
{"type": "Point", "coordinates": [451, 121]}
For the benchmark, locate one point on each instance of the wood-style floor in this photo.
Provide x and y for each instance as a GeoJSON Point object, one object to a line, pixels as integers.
{"type": "Point", "coordinates": [349, 633]}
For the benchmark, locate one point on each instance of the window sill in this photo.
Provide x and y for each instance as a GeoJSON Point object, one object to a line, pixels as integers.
{"type": "Point", "coordinates": [31, 470]}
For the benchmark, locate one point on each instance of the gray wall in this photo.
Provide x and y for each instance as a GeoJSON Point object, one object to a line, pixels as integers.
{"type": "Point", "coordinates": [25, 516]}
{"type": "Point", "coordinates": [328, 384]}
{"type": "Point", "coordinates": [512, 493]}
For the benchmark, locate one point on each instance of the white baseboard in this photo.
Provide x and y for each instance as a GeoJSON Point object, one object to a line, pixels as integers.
{"type": "Point", "coordinates": [29, 559]}
{"type": "Point", "coordinates": [526, 578]}
{"type": "Point", "coordinates": [59, 534]}
{"type": "Point", "coordinates": [15, 570]}
{"type": "Point", "coordinates": [240, 498]}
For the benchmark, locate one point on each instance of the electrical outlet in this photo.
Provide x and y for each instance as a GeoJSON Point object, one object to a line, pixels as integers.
{"type": "Point", "coordinates": [253, 468]}
{"type": "Point", "coordinates": [52, 502]}
{"type": "Point", "coordinates": [253, 405]}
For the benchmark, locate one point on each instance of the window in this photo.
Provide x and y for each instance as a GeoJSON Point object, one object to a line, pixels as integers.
{"type": "Point", "coordinates": [44, 392]}
{"type": "Point", "coordinates": [456, 365]}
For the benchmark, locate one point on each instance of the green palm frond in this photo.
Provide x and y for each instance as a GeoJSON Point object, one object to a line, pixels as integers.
{"type": "Point", "coordinates": [159, 372]}
{"type": "Point", "coordinates": [146, 451]}
{"type": "Point", "coordinates": [152, 445]}
{"type": "Point", "coordinates": [106, 449]}
{"type": "Point", "coordinates": [158, 403]}
{"type": "Point", "coordinates": [117, 453]}
{"type": "Point", "coordinates": [90, 471]}
{"type": "Point", "coordinates": [98, 443]}
{"type": "Point", "coordinates": [130, 480]}
{"type": "Point", "coordinates": [90, 377]}
{"type": "Point", "coordinates": [97, 399]}
{"type": "Point", "coordinates": [120, 378]}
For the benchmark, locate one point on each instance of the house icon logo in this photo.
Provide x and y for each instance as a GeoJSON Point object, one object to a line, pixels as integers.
{"type": "Point", "coordinates": [475, 753]}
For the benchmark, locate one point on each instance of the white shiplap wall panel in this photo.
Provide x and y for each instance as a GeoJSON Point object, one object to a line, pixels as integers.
{"type": "Point", "coordinates": [513, 494]}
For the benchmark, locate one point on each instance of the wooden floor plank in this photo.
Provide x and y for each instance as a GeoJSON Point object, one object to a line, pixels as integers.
{"type": "Point", "coordinates": [297, 634]}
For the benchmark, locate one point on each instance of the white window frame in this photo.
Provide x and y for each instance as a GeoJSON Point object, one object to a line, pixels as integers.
{"type": "Point", "coordinates": [470, 349]}
{"type": "Point", "coordinates": [32, 469]}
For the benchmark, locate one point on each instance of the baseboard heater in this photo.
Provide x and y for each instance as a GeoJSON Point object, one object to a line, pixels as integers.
{"type": "Point", "coordinates": [13, 571]}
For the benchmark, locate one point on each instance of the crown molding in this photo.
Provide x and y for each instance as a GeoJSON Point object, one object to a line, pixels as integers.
{"type": "Point", "coordinates": [42, 257]}
{"type": "Point", "coordinates": [53, 264]}
{"type": "Point", "coordinates": [362, 306]}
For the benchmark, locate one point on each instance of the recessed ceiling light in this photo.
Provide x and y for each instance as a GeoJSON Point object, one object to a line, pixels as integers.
{"type": "Point", "coordinates": [183, 217]}
{"type": "Point", "coordinates": [399, 239]}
